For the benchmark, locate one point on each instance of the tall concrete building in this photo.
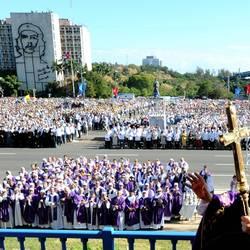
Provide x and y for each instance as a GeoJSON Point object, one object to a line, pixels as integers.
{"type": "Point", "coordinates": [37, 44]}
{"type": "Point", "coordinates": [75, 41]}
{"type": "Point", "coordinates": [32, 42]}
{"type": "Point", "coordinates": [152, 61]}
{"type": "Point", "coordinates": [7, 59]}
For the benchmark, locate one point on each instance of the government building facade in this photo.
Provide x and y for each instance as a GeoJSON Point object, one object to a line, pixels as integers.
{"type": "Point", "coordinates": [31, 43]}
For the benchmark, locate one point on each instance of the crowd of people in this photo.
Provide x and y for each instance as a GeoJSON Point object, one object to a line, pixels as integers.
{"type": "Point", "coordinates": [41, 122]}
{"type": "Point", "coordinates": [190, 124]}
{"type": "Point", "coordinates": [196, 124]}
{"type": "Point", "coordinates": [86, 193]}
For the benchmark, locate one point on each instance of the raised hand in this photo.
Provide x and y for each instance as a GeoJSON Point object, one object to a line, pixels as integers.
{"type": "Point", "coordinates": [245, 223]}
{"type": "Point", "coordinates": [199, 186]}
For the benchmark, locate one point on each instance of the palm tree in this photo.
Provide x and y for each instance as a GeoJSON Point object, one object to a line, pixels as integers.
{"type": "Point", "coordinates": [59, 68]}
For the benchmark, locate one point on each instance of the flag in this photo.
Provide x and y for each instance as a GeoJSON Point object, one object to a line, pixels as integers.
{"type": "Point", "coordinates": [247, 89]}
{"type": "Point", "coordinates": [66, 55]}
{"type": "Point", "coordinates": [237, 91]}
{"type": "Point", "coordinates": [82, 88]}
{"type": "Point", "coordinates": [27, 98]}
{"type": "Point", "coordinates": [115, 91]}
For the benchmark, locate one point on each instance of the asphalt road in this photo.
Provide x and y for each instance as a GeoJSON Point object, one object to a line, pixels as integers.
{"type": "Point", "coordinates": [220, 163]}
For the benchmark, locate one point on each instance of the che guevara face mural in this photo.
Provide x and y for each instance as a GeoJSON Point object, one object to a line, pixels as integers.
{"type": "Point", "coordinates": [31, 52]}
{"type": "Point", "coordinates": [29, 41]}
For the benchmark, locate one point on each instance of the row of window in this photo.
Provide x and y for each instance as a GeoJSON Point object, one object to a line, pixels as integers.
{"type": "Point", "coordinates": [9, 62]}
{"type": "Point", "coordinates": [4, 28]}
{"type": "Point", "coordinates": [69, 46]}
{"type": "Point", "coordinates": [7, 53]}
{"type": "Point", "coordinates": [6, 44]}
{"type": "Point", "coordinates": [6, 36]}
{"type": "Point", "coordinates": [72, 53]}
{"type": "Point", "coordinates": [70, 37]}
{"type": "Point", "coordinates": [69, 30]}
{"type": "Point", "coordinates": [7, 68]}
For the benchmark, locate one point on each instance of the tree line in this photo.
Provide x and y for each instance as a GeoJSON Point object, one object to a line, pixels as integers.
{"type": "Point", "coordinates": [130, 79]}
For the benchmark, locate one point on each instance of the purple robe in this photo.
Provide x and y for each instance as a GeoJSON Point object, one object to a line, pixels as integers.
{"type": "Point", "coordinates": [158, 209]}
{"type": "Point", "coordinates": [42, 211]}
{"type": "Point", "coordinates": [29, 211]}
{"type": "Point", "coordinates": [81, 214]}
{"type": "Point", "coordinates": [4, 210]}
{"type": "Point", "coordinates": [120, 202]}
{"type": "Point", "coordinates": [146, 210]}
{"type": "Point", "coordinates": [131, 212]}
{"type": "Point", "coordinates": [169, 204]}
{"type": "Point", "coordinates": [69, 206]}
{"type": "Point", "coordinates": [177, 203]}
{"type": "Point", "coordinates": [104, 214]}
{"type": "Point", "coordinates": [131, 186]}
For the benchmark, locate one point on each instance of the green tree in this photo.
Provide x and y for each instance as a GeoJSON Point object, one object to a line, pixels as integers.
{"type": "Point", "coordinates": [101, 88]}
{"type": "Point", "coordinates": [199, 72]}
{"type": "Point", "coordinates": [191, 89]}
{"type": "Point", "coordinates": [224, 73]}
{"type": "Point", "coordinates": [135, 91]}
{"type": "Point", "coordinates": [55, 89]}
{"type": "Point", "coordinates": [10, 85]}
{"type": "Point", "coordinates": [205, 88]}
{"type": "Point", "coordinates": [102, 68]}
{"type": "Point", "coordinates": [141, 81]}
{"type": "Point", "coordinates": [90, 91]}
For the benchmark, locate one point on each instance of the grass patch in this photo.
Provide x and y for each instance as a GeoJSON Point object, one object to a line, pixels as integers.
{"type": "Point", "coordinates": [93, 244]}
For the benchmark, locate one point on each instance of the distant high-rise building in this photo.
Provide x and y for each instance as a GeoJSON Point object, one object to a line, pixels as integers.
{"type": "Point", "coordinates": [7, 59]}
{"type": "Point", "coordinates": [152, 61]}
{"type": "Point", "coordinates": [37, 46]}
{"type": "Point", "coordinates": [75, 41]}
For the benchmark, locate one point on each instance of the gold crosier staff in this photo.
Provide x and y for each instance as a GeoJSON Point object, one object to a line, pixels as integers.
{"type": "Point", "coordinates": [234, 136]}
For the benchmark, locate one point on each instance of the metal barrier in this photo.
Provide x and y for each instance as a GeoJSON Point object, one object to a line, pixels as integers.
{"type": "Point", "coordinates": [107, 235]}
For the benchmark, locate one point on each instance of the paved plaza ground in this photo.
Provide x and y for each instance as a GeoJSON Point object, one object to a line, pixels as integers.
{"type": "Point", "coordinates": [220, 163]}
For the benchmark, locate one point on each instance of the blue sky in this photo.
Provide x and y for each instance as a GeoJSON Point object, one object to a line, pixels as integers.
{"type": "Point", "coordinates": [184, 34]}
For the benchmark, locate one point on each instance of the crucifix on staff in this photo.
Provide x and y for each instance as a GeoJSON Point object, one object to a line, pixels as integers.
{"type": "Point", "coordinates": [234, 137]}
{"type": "Point", "coordinates": [225, 217]}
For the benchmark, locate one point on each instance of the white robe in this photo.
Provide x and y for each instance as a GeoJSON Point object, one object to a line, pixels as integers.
{"type": "Point", "coordinates": [58, 222]}
{"type": "Point", "coordinates": [17, 211]}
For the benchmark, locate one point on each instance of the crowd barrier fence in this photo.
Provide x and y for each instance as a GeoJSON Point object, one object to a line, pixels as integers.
{"type": "Point", "coordinates": [107, 235]}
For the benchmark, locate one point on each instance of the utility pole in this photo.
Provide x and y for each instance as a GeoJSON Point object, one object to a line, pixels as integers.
{"type": "Point", "coordinates": [228, 83]}
{"type": "Point", "coordinates": [72, 77]}
{"type": "Point", "coordinates": [72, 52]}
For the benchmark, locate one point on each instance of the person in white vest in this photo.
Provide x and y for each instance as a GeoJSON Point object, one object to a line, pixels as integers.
{"type": "Point", "coordinates": [121, 137]}
{"type": "Point", "coordinates": [138, 136]}
{"type": "Point", "coordinates": [149, 139]}
{"type": "Point", "coordinates": [169, 138]}
{"type": "Point", "coordinates": [177, 138]}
